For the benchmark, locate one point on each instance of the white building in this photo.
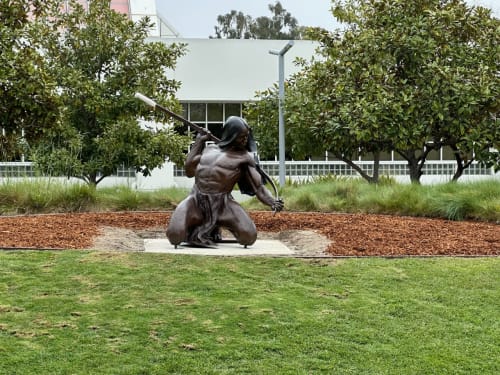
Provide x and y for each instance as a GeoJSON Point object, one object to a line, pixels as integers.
{"type": "Point", "coordinates": [219, 75]}
{"type": "Point", "coordinates": [137, 9]}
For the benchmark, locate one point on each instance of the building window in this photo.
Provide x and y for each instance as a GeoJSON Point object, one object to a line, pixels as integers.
{"type": "Point", "coordinates": [215, 112]}
{"type": "Point", "coordinates": [232, 109]}
{"type": "Point", "coordinates": [197, 112]}
{"type": "Point", "coordinates": [216, 129]}
{"type": "Point", "coordinates": [211, 116]}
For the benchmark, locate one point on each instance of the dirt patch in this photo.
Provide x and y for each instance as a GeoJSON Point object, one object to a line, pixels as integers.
{"type": "Point", "coordinates": [306, 233]}
{"type": "Point", "coordinates": [302, 242]}
{"type": "Point", "coordinates": [119, 239]}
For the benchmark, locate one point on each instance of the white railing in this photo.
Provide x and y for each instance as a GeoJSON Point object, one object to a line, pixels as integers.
{"type": "Point", "coordinates": [387, 168]}
{"type": "Point", "coordinates": [171, 175]}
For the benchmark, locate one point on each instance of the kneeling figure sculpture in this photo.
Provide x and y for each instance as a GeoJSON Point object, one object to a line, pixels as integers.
{"type": "Point", "coordinates": [217, 168]}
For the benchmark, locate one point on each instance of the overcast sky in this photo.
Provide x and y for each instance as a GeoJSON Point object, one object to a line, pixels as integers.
{"type": "Point", "coordinates": [197, 18]}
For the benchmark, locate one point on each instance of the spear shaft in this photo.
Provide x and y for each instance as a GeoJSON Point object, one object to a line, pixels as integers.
{"type": "Point", "coordinates": [202, 130]}
{"type": "Point", "coordinates": [174, 115]}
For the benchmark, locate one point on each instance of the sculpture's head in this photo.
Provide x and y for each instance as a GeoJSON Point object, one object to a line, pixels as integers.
{"type": "Point", "coordinates": [236, 130]}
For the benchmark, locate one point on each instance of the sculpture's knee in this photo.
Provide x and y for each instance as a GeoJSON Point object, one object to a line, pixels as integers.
{"type": "Point", "coordinates": [177, 227]}
{"type": "Point", "coordinates": [250, 240]}
{"type": "Point", "coordinates": [175, 235]}
{"type": "Point", "coordinates": [247, 237]}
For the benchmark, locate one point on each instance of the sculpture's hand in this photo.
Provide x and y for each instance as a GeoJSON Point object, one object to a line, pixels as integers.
{"type": "Point", "coordinates": [203, 137]}
{"type": "Point", "coordinates": [278, 205]}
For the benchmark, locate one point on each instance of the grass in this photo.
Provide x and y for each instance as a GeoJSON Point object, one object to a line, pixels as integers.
{"type": "Point", "coordinates": [454, 201]}
{"type": "Point", "coordinates": [45, 196]}
{"type": "Point", "coordinates": [123, 198]}
{"type": "Point", "coordinates": [135, 313]}
{"type": "Point", "coordinates": [131, 313]}
{"type": "Point", "coordinates": [33, 196]}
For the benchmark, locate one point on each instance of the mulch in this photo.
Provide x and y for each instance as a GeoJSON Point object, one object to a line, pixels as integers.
{"type": "Point", "coordinates": [349, 234]}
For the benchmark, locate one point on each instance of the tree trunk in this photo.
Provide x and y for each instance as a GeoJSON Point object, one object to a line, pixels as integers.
{"type": "Point", "coordinates": [371, 179]}
{"type": "Point", "coordinates": [376, 166]}
{"type": "Point", "coordinates": [462, 163]}
{"type": "Point", "coordinates": [414, 166]}
{"type": "Point", "coordinates": [92, 180]}
{"type": "Point", "coordinates": [415, 171]}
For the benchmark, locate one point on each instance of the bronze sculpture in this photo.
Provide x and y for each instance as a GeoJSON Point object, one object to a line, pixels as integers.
{"type": "Point", "coordinates": [217, 168]}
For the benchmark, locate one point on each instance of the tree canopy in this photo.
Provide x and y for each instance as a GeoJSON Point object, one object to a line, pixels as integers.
{"type": "Point", "coordinates": [237, 25]}
{"type": "Point", "coordinates": [28, 97]}
{"type": "Point", "coordinates": [100, 59]}
{"type": "Point", "coordinates": [408, 77]}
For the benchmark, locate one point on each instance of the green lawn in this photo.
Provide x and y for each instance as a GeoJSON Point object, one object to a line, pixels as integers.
{"type": "Point", "coordinates": [77, 312]}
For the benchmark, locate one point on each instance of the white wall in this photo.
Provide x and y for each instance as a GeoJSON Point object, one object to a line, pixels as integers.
{"type": "Point", "coordinates": [141, 8]}
{"type": "Point", "coordinates": [225, 70]}
{"type": "Point", "coordinates": [160, 178]}
{"type": "Point", "coordinates": [144, 7]}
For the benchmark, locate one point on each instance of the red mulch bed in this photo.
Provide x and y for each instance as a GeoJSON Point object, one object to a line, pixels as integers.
{"type": "Point", "coordinates": [350, 234]}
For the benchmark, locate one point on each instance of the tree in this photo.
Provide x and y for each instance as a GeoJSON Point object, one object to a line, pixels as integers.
{"type": "Point", "coordinates": [236, 25]}
{"type": "Point", "coordinates": [282, 25]}
{"type": "Point", "coordinates": [262, 113]}
{"type": "Point", "coordinates": [306, 116]}
{"type": "Point", "coordinates": [233, 25]}
{"type": "Point", "coordinates": [29, 104]}
{"type": "Point", "coordinates": [100, 59]}
{"type": "Point", "coordinates": [432, 80]}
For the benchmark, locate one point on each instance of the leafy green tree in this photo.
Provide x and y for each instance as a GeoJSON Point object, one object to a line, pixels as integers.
{"type": "Point", "coordinates": [237, 25]}
{"type": "Point", "coordinates": [100, 59]}
{"type": "Point", "coordinates": [233, 25]}
{"type": "Point", "coordinates": [410, 77]}
{"type": "Point", "coordinates": [28, 99]}
{"type": "Point", "coordinates": [299, 113]}
{"type": "Point", "coordinates": [282, 25]}
{"type": "Point", "coordinates": [305, 132]}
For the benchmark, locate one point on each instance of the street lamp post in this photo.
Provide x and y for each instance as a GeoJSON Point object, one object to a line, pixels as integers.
{"type": "Point", "coordinates": [281, 98]}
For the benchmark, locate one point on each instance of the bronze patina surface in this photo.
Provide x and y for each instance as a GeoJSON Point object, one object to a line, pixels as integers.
{"type": "Point", "coordinates": [217, 168]}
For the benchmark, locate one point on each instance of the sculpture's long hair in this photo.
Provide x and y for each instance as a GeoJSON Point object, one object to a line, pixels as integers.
{"type": "Point", "coordinates": [233, 126]}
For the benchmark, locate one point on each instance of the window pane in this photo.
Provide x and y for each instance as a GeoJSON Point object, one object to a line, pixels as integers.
{"type": "Point", "coordinates": [397, 156]}
{"type": "Point", "coordinates": [197, 111]}
{"type": "Point", "coordinates": [385, 156]}
{"type": "Point", "coordinates": [233, 109]}
{"type": "Point", "coordinates": [216, 129]}
{"type": "Point", "coordinates": [185, 110]}
{"type": "Point", "coordinates": [215, 112]}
